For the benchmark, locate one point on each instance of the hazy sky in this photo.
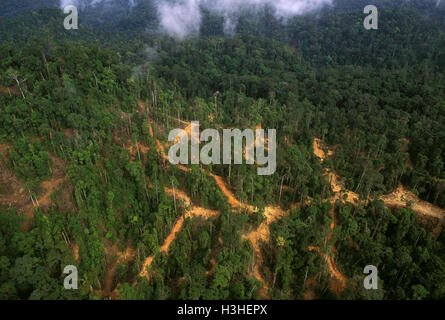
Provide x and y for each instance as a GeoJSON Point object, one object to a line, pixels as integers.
{"type": "Point", "coordinates": [180, 18]}
{"type": "Point", "coordinates": [183, 17]}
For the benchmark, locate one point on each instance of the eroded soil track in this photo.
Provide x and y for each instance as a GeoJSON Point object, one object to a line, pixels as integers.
{"type": "Point", "coordinates": [338, 281]}
{"type": "Point", "coordinates": [399, 198]}
{"type": "Point", "coordinates": [18, 197]}
{"type": "Point", "coordinates": [191, 212]}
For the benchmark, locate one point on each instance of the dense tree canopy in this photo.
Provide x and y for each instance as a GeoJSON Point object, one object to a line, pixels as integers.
{"type": "Point", "coordinates": [83, 180]}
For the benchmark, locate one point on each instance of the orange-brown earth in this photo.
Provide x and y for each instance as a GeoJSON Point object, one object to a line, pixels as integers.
{"type": "Point", "coordinates": [139, 151]}
{"type": "Point", "coordinates": [310, 285]}
{"type": "Point", "coordinates": [338, 281]}
{"type": "Point", "coordinates": [10, 90]}
{"type": "Point", "coordinates": [108, 290]}
{"type": "Point", "coordinates": [18, 197]}
{"type": "Point", "coordinates": [398, 198]}
{"type": "Point", "coordinates": [76, 251]}
{"type": "Point", "coordinates": [319, 150]}
{"type": "Point", "coordinates": [191, 212]}
{"type": "Point", "coordinates": [426, 212]}
{"type": "Point", "coordinates": [262, 233]}
{"type": "Point", "coordinates": [49, 186]}
{"type": "Point", "coordinates": [12, 192]}
{"type": "Point", "coordinates": [234, 203]}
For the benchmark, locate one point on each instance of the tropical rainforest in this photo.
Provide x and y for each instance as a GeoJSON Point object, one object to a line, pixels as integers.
{"type": "Point", "coordinates": [85, 181]}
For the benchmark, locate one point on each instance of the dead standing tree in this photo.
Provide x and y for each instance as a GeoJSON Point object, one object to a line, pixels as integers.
{"type": "Point", "coordinates": [15, 76]}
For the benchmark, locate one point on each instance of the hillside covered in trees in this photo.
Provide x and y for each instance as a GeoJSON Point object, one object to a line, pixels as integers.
{"type": "Point", "coordinates": [85, 181]}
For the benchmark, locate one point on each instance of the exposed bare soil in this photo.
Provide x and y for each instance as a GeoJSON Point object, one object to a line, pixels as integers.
{"type": "Point", "coordinates": [10, 90]}
{"type": "Point", "coordinates": [338, 281]}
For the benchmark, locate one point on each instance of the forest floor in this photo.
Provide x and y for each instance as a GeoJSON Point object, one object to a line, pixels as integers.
{"type": "Point", "coordinates": [272, 214]}
{"type": "Point", "coordinates": [108, 290]}
{"type": "Point", "coordinates": [338, 281]}
{"type": "Point", "coordinates": [10, 90]}
{"type": "Point", "coordinates": [75, 248]}
{"type": "Point", "coordinates": [191, 212]}
{"type": "Point", "coordinates": [401, 196]}
{"type": "Point", "coordinates": [398, 198]}
{"type": "Point", "coordinates": [49, 186]}
{"type": "Point", "coordinates": [262, 233]}
{"type": "Point", "coordinates": [12, 192]}
{"type": "Point", "coordinates": [16, 196]}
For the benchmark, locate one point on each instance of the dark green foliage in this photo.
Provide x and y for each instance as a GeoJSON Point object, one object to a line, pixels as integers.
{"type": "Point", "coordinates": [85, 97]}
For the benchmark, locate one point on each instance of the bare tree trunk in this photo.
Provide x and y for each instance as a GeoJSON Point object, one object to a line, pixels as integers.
{"type": "Point", "coordinates": [45, 62]}
{"type": "Point", "coordinates": [174, 196]}
{"type": "Point", "coordinates": [20, 87]}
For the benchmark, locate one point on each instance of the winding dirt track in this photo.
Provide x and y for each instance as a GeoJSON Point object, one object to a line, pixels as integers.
{"type": "Point", "coordinates": [193, 212]}
{"type": "Point", "coordinates": [338, 283]}
{"type": "Point", "coordinates": [232, 201]}
{"type": "Point", "coordinates": [123, 257]}
{"type": "Point", "coordinates": [398, 198]}
{"type": "Point", "coordinates": [262, 233]}
{"type": "Point", "coordinates": [49, 186]}
{"type": "Point", "coordinates": [58, 178]}
{"type": "Point", "coordinates": [112, 250]}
